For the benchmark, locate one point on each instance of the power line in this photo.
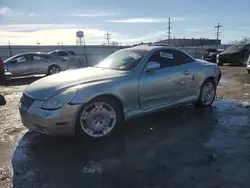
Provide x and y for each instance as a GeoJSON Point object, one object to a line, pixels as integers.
{"type": "Point", "coordinates": [235, 29]}
{"type": "Point", "coordinates": [169, 29]}
{"type": "Point", "coordinates": [108, 37]}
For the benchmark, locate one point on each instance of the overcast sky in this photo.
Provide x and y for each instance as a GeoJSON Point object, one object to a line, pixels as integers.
{"type": "Point", "coordinates": [130, 21]}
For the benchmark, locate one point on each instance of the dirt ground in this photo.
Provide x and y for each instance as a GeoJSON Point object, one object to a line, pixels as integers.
{"type": "Point", "coordinates": [184, 147]}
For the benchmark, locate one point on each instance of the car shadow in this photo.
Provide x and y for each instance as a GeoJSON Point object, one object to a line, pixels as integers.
{"type": "Point", "coordinates": [21, 81]}
{"type": "Point", "coordinates": [143, 153]}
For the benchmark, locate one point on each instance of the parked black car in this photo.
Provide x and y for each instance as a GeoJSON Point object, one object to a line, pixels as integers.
{"type": "Point", "coordinates": [235, 54]}
{"type": "Point", "coordinates": [248, 64]}
{"type": "Point", "coordinates": [211, 54]}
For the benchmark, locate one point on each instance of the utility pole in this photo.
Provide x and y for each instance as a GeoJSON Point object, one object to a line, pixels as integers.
{"type": "Point", "coordinates": [10, 49]}
{"type": "Point", "coordinates": [169, 30]}
{"type": "Point", "coordinates": [37, 43]}
{"type": "Point", "coordinates": [217, 32]}
{"type": "Point", "coordinates": [108, 37]}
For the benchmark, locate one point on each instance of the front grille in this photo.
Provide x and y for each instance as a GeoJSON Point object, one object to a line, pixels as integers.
{"type": "Point", "coordinates": [26, 101]}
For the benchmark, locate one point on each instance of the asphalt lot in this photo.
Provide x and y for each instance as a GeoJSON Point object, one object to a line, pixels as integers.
{"type": "Point", "coordinates": [183, 147]}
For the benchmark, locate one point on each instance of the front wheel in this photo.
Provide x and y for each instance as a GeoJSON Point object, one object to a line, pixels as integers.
{"type": "Point", "coordinates": [207, 94]}
{"type": "Point", "coordinates": [99, 118]}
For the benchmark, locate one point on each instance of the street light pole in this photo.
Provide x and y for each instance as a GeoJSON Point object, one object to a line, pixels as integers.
{"type": "Point", "coordinates": [37, 43]}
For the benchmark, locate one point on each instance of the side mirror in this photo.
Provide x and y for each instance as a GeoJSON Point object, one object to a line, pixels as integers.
{"type": "Point", "coordinates": [152, 66]}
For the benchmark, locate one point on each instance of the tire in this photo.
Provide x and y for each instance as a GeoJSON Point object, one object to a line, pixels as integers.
{"type": "Point", "coordinates": [202, 102]}
{"type": "Point", "coordinates": [99, 119]}
{"type": "Point", "coordinates": [248, 71]}
{"type": "Point", "coordinates": [2, 100]}
{"type": "Point", "coordinates": [53, 69]}
{"type": "Point", "coordinates": [220, 64]}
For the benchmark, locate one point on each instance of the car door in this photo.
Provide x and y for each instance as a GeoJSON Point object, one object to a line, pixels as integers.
{"type": "Point", "coordinates": [20, 65]}
{"type": "Point", "coordinates": [188, 68]}
{"type": "Point", "coordinates": [40, 64]}
{"type": "Point", "coordinates": [164, 85]}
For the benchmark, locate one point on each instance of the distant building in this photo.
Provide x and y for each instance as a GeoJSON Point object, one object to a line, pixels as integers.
{"type": "Point", "coordinates": [191, 42]}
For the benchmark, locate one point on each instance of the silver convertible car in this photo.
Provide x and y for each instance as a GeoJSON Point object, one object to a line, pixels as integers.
{"type": "Point", "coordinates": [130, 82]}
{"type": "Point", "coordinates": [26, 64]}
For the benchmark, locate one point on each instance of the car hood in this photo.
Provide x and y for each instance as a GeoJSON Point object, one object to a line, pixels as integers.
{"type": "Point", "coordinates": [46, 87]}
{"type": "Point", "coordinates": [230, 53]}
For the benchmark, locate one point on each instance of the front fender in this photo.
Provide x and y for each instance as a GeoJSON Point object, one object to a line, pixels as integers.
{"type": "Point", "coordinates": [124, 90]}
{"type": "Point", "coordinates": [89, 91]}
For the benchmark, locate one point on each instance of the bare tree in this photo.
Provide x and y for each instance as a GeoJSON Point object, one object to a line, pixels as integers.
{"type": "Point", "coordinates": [244, 40]}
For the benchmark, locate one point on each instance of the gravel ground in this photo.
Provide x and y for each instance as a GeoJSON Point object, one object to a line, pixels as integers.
{"type": "Point", "coordinates": [183, 147]}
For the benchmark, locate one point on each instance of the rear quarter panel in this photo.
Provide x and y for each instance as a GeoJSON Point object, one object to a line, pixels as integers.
{"type": "Point", "coordinates": [205, 70]}
{"type": "Point", "coordinates": [56, 60]}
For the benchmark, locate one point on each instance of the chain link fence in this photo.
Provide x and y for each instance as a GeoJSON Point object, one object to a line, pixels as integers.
{"type": "Point", "coordinates": [90, 54]}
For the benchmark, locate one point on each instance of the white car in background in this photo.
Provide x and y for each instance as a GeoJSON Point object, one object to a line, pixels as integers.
{"type": "Point", "coordinates": [34, 63]}
{"type": "Point", "coordinates": [68, 55]}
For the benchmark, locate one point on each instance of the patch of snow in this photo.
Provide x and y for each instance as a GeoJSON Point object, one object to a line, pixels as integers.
{"type": "Point", "coordinates": [93, 167]}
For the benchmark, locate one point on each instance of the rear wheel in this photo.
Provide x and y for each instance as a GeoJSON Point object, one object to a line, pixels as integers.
{"type": "Point", "coordinates": [53, 69]}
{"type": "Point", "coordinates": [99, 118]}
{"type": "Point", "coordinates": [207, 93]}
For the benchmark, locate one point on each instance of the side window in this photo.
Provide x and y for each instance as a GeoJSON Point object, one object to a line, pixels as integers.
{"type": "Point", "coordinates": [62, 53]}
{"type": "Point", "coordinates": [181, 58]}
{"type": "Point", "coordinates": [20, 59]}
{"type": "Point", "coordinates": [164, 57]}
{"type": "Point", "coordinates": [54, 53]}
{"type": "Point", "coordinates": [72, 53]}
{"type": "Point", "coordinates": [39, 57]}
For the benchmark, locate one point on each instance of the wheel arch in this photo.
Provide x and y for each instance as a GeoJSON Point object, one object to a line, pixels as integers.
{"type": "Point", "coordinates": [56, 65]}
{"type": "Point", "coordinates": [212, 78]}
{"type": "Point", "coordinates": [103, 95]}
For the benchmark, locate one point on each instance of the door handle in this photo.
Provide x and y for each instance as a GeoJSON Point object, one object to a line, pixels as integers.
{"type": "Point", "coordinates": [186, 72]}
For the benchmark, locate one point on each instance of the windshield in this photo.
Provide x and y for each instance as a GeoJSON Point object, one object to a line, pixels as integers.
{"type": "Point", "coordinates": [234, 48]}
{"type": "Point", "coordinates": [10, 58]}
{"type": "Point", "coordinates": [52, 52]}
{"type": "Point", "coordinates": [122, 60]}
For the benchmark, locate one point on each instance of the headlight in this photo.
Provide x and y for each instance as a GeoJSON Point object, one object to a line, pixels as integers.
{"type": "Point", "coordinates": [59, 100]}
{"type": "Point", "coordinates": [217, 58]}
